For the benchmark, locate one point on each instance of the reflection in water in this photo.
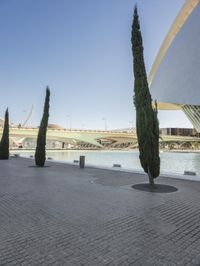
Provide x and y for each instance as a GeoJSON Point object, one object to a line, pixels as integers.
{"type": "Point", "coordinates": [170, 162]}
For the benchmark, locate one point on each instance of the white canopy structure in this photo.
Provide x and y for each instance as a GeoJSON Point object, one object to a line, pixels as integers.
{"type": "Point", "coordinates": [175, 75]}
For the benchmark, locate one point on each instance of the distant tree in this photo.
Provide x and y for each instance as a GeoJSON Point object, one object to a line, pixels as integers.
{"type": "Point", "coordinates": [147, 124]}
{"type": "Point", "coordinates": [40, 154]}
{"type": "Point", "coordinates": [4, 144]}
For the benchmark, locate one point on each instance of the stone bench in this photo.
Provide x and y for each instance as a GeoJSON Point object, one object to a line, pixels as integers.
{"type": "Point", "coordinates": [189, 173]}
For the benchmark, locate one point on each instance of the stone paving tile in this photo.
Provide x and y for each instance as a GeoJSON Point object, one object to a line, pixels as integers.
{"type": "Point", "coordinates": [63, 215]}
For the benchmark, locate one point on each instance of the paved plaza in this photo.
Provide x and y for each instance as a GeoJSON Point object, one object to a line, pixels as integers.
{"type": "Point", "coordinates": [63, 215]}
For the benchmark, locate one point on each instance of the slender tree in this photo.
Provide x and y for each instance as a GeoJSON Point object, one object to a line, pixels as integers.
{"type": "Point", "coordinates": [4, 144]}
{"type": "Point", "coordinates": [40, 154]}
{"type": "Point", "coordinates": [147, 124]}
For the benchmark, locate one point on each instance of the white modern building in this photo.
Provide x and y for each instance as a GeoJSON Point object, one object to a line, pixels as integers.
{"type": "Point", "coordinates": [174, 79]}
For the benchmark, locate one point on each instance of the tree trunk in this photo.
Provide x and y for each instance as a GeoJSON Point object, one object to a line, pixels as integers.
{"type": "Point", "coordinates": [151, 180]}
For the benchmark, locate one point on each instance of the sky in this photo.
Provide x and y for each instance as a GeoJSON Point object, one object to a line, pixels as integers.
{"type": "Point", "coordinates": [81, 49]}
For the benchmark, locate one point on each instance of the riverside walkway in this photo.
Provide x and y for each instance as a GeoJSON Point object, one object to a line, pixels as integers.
{"type": "Point", "coordinates": [63, 215]}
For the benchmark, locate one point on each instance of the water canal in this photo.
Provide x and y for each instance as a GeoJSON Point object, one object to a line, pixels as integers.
{"type": "Point", "coordinates": [171, 162]}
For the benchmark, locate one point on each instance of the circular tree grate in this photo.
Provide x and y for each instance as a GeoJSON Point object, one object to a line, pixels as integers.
{"type": "Point", "coordinates": [35, 166]}
{"type": "Point", "coordinates": [157, 188]}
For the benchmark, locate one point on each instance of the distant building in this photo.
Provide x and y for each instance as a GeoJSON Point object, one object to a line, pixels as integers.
{"type": "Point", "coordinates": [1, 122]}
{"type": "Point", "coordinates": [54, 126]}
{"type": "Point", "coordinates": [178, 131]}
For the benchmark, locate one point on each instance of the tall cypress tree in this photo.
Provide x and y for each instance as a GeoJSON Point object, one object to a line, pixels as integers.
{"type": "Point", "coordinates": [4, 144]}
{"type": "Point", "coordinates": [40, 154]}
{"type": "Point", "coordinates": [147, 124]}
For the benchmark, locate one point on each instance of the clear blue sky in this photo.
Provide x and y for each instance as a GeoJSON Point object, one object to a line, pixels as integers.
{"type": "Point", "coordinates": [81, 49]}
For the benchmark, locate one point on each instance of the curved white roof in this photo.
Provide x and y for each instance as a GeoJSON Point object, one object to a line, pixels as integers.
{"type": "Point", "coordinates": [175, 75]}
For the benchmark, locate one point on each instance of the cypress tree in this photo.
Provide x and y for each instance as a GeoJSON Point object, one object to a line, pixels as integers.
{"type": "Point", "coordinates": [40, 154]}
{"type": "Point", "coordinates": [4, 144]}
{"type": "Point", "coordinates": [147, 124]}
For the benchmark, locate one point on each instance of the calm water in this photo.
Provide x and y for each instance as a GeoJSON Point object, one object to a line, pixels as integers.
{"type": "Point", "coordinates": [170, 162]}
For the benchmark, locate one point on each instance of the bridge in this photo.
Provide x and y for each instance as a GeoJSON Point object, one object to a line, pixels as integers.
{"type": "Point", "coordinates": [93, 138]}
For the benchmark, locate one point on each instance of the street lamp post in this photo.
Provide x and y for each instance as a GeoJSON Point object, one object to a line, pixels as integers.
{"type": "Point", "coordinates": [105, 123]}
{"type": "Point", "coordinates": [70, 122]}
{"type": "Point", "coordinates": [132, 124]}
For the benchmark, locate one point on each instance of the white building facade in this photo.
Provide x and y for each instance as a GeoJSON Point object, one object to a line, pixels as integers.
{"type": "Point", "coordinates": [175, 76]}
